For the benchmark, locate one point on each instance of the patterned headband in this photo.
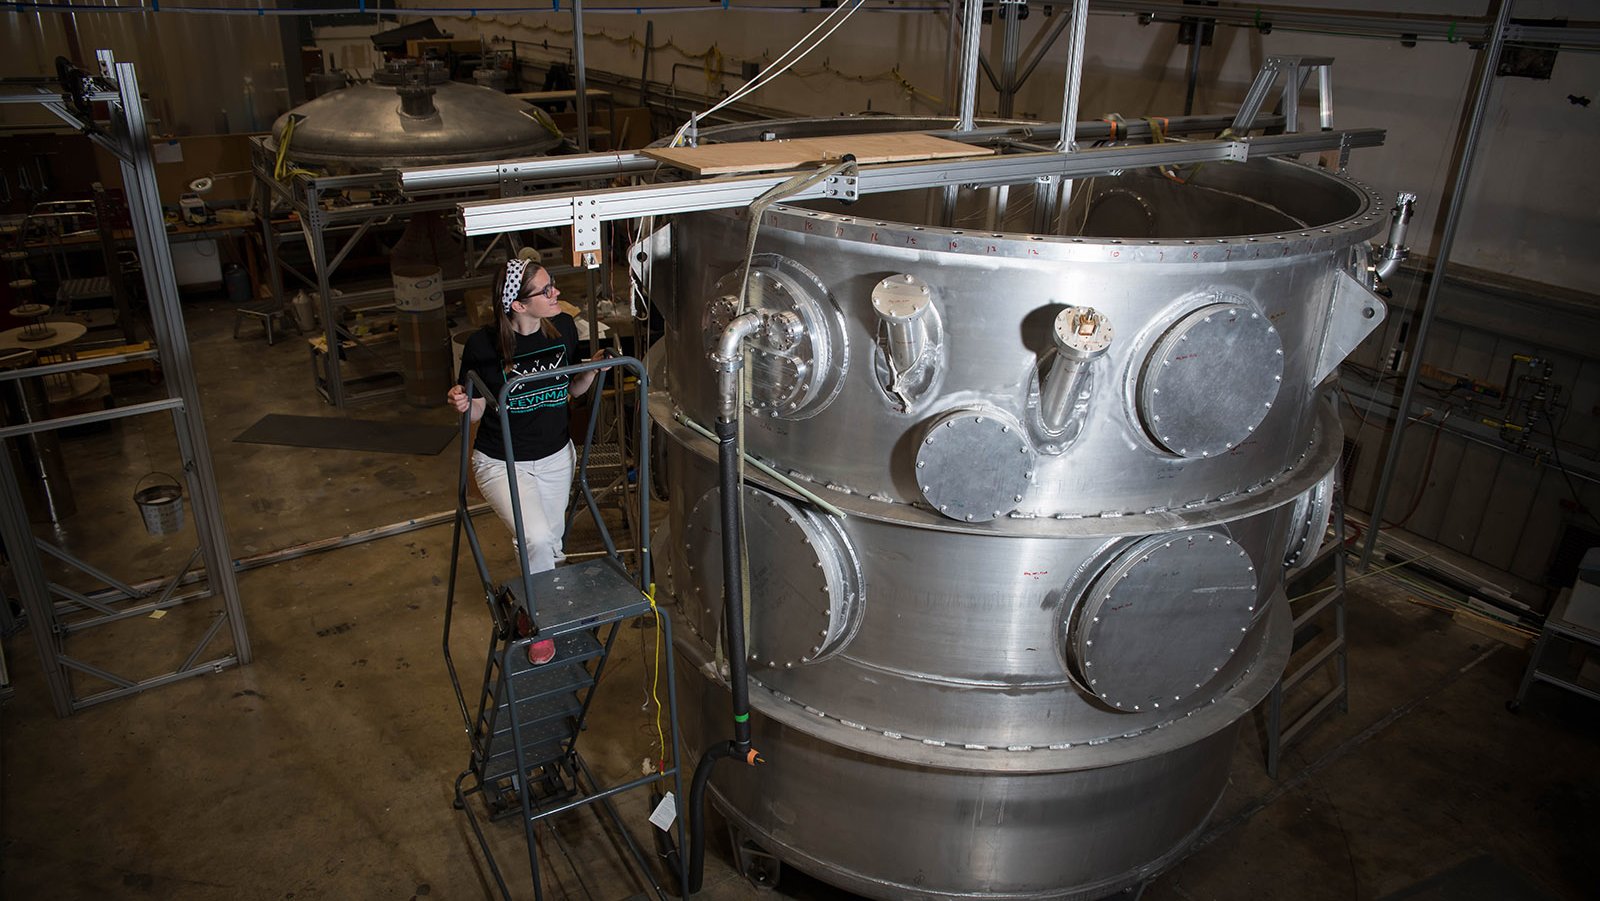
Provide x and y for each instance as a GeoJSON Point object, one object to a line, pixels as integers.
{"type": "Point", "coordinates": [515, 269]}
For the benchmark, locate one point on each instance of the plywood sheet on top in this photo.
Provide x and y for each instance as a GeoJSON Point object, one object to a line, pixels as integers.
{"type": "Point", "coordinates": [769, 156]}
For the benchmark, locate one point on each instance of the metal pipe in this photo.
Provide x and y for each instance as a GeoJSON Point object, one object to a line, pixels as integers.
{"type": "Point", "coordinates": [1082, 335]}
{"type": "Point", "coordinates": [581, 80]}
{"type": "Point", "coordinates": [972, 28]}
{"type": "Point", "coordinates": [1394, 250]}
{"type": "Point", "coordinates": [951, 74]}
{"type": "Point", "coordinates": [1074, 72]}
{"type": "Point", "coordinates": [1010, 31]}
{"type": "Point", "coordinates": [1194, 70]}
{"type": "Point", "coordinates": [1488, 57]}
{"type": "Point", "coordinates": [728, 359]}
{"type": "Point", "coordinates": [1044, 47]}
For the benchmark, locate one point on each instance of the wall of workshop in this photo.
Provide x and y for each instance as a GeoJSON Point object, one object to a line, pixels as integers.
{"type": "Point", "coordinates": [1531, 209]}
{"type": "Point", "coordinates": [1467, 485]}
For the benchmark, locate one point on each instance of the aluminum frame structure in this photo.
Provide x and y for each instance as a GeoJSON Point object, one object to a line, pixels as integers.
{"type": "Point", "coordinates": [586, 209]}
{"type": "Point", "coordinates": [54, 612]}
{"type": "Point", "coordinates": [317, 223]}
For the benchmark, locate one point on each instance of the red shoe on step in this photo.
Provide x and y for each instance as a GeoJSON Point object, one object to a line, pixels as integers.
{"type": "Point", "coordinates": [542, 652]}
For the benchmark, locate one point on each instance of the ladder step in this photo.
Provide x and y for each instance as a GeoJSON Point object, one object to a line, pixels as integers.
{"type": "Point", "coordinates": [541, 744]}
{"type": "Point", "coordinates": [582, 596]}
{"type": "Point", "coordinates": [542, 684]}
{"type": "Point", "coordinates": [532, 713]}
{"type": "Point", "coordinates": [572, 649]}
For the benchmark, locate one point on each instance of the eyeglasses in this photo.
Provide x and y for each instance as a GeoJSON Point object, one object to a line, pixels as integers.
{"type": "Point", "coordinates": [542, 292]}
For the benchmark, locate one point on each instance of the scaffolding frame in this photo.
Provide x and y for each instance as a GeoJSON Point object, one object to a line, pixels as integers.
{"type": "Point", "coordinates": [53, 611]}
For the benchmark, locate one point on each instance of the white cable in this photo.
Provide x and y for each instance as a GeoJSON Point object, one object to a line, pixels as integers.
{"type": "Point", "coordinates": [774, 71]}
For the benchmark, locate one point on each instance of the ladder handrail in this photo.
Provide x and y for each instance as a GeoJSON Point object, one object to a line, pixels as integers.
{"type": "Point", "coordinates": [644, 458]}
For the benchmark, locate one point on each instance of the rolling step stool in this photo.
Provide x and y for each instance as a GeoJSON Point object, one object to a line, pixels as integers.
{"type": "Point", "coordinates": [528, 720]}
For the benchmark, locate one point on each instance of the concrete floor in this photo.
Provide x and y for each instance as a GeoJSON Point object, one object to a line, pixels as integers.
{"type": "Point", "coordinates": [324, 769]}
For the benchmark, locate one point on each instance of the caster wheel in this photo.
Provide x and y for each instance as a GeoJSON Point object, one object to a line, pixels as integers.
{"type": "Point", "coordinates": [1514, 706]}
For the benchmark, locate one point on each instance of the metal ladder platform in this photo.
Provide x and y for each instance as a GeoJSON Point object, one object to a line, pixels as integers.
{"type": "Point", "coordinates": [529, 719]}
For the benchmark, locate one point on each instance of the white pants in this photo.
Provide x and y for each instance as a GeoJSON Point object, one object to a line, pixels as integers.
{"type": "Point", "coordinates": [542, 489]}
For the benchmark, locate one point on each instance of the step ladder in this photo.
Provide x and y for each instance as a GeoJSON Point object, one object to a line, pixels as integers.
{"type": "Point", "coordinates": [1313, 609]}
{"type": "Point", "coordinates": [526, 725]}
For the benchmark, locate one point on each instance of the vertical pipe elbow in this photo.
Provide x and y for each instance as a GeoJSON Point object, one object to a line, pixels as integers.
{"type": "Point", "coordinates": [1394, 250]}
{"type": "Point", "coordinates": [728, 359]}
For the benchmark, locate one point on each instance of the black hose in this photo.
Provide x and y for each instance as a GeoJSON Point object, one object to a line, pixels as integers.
{"type": "Point", "coordinates": [697, 803]}
{"type": "Point", "coordinates": [738, 672]}
{"type": "Point", "coordinates": [732, 584]}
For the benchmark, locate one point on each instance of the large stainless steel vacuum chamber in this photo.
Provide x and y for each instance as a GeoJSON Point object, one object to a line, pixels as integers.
{"type": "Point", "coordinates": [1066, 470]}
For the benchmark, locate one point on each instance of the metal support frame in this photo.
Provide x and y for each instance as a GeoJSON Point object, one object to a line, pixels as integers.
{"type": "Point", "coordinates": [128, 138]}
{"type": "Point", "coordinates": [581, 77]}
{"type": "Point", "coordinates": [317, 225]}
{"type": "Point", "coordinates": [1488, 59]}
{"type": "Point", "coordinates": [611, 204]}
{"type": "Point", "coordinates": [1378, 23]}
{"type": "Point", "coordinates": [1335, 651]}
{"type": "Point", "coordinates": [1292, 72]}
{"type": "Point", "coordinates": [971, 30]}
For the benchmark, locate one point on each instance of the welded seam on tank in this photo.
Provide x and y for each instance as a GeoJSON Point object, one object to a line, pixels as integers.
{"type": "Point", "coordinates": [1225, 695]}
{"type": "Point", "coordinates": [1319, 455]}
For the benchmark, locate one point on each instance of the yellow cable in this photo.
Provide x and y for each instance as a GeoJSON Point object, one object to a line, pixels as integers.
{"type": "Point", "coordinates": [655, 680]}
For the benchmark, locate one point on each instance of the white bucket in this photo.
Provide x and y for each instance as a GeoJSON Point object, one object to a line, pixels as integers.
{"type": "Point", "coordinates": [160, 504]}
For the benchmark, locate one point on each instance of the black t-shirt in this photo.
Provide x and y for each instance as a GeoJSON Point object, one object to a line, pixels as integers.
{"type": "Point", "coordinates": [538, 409]}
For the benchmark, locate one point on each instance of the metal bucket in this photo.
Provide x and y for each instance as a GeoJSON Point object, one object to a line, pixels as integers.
{"type": "Point", "coordinates": [160, 504]}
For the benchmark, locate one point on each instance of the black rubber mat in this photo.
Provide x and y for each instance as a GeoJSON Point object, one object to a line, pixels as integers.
{"type": "Point", "coordinates": [337, 433]}
{"type": "Point", "coordinates": [1481, 878]}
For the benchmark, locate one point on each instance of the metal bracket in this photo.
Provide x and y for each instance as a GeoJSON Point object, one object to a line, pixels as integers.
{"type": "Point", "coordinates": [844, 186]}
{"type": "Point", "coordinates": [585, 233]}
{"type": "Point", "coordinates": [1295, 72]}
{"type": "Point", "coordinates": [1353, 314]}
{"type": "Point", "coordinates": [510, 180]}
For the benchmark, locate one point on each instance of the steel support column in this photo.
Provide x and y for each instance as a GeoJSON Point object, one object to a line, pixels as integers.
{"type": "Point", "coordinates": [166, 314]}
{"type": "Point", "coordinates": [1488, 59]}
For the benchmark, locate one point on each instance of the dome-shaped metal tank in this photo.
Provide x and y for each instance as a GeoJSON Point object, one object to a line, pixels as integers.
{"type": "Point", "coordinates": [1070, 469]}
{"type": "Point", "coordinates": [412, 117]}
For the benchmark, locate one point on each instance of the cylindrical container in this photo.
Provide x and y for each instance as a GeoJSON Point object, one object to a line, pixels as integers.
{"type": "Point", "coordinates": [237, 282]}
{"type": "Point", "coordinates": [424, 334]}
{"type": "Point", "coordinates": [304, 309]}
{"type": "Point", "coordinates": [160, 504]}
{"type": "Point", "coordinates": [1016, 664]}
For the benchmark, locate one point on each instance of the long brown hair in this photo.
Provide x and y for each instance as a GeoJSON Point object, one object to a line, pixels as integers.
{"type": "Point", "coordinates": [507, 336]}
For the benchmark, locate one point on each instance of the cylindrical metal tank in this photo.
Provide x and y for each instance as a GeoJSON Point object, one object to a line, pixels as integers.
{"type": "Point", "coordinates": [411, 116]}
{"type": "Point", "coordinates": [1070, 470]}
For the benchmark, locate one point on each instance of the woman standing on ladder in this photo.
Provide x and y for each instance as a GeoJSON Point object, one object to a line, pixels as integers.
{"type": "Point", "coordinates": [532, 334]}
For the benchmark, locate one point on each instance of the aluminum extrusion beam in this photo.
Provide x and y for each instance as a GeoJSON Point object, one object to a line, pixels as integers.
{"type": "Point", "coordinates": [556, 170]}
{"type": "Point", "coordinates": [1074, 72]}
{"type": "Point", "coordinates": [1475, 30]}
{"type": "Point", "coordinates": [1488, 58]}
{"type": "Point", "coordinates": [972, 27]}
{"type": "Point", "coordinates": [144, 203]}
{"type": "Point", "coordinates": [594, 165]}
{"type": "Point", "coordinates": [492, 216]}
{"type": "Point", "coordinates": [581, 71]}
